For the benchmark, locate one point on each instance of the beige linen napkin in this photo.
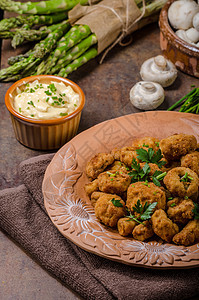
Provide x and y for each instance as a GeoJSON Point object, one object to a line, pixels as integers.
{"type": "Point", "coordinates": [23, 217]}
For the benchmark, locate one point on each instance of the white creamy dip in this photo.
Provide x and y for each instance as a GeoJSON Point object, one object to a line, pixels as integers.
{"type": "Point", "coordinates": [46, 101]}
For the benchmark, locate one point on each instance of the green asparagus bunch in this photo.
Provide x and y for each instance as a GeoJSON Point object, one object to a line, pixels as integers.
{"type": "Point", "coordinates": [40, 50]}
{"type": "Point", "coordinates": [41, 7]}
{"type": "Point", "coordinates": [32, 20]}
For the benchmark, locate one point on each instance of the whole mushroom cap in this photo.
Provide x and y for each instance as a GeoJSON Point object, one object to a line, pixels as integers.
{"type": "Point", "coordinates": [146, 95]}
{"type": "Point", "coordinates": [180, 14]}
{"type": "Point", "coordinates": [159, 69]}
{"type": "Point", "coordinates": [196, 21]}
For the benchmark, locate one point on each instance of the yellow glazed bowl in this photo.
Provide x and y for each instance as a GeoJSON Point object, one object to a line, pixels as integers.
{"type": "Point", "coordinates": [44, 134]}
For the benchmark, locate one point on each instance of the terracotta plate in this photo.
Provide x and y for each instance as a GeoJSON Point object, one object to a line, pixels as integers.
{"type": "Point", "coordinates": [71, 211]}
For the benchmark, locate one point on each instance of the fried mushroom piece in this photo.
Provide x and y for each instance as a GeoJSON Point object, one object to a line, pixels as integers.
{"type": "Point", "coordinates": [143, 231]}
{"type": "Point", "coordinates": [107, 212]}
{"type": "Point", "coordinates": [125, 226]}
{"type": "Point", "coordinates": [91, 187]}
{"type": "Point", "coordinates": [188, 235]}
{"type": "Point", "coordinates": [145, 193]}
{"type": "Point", "coordinates": [163, 226]}
{"type": "Point", "coordinates": [118, 166]}
{"type": "Point", "coordinates": [127, 154]}
{"type": "Point", "coordinates": [191, 161]}
{"type": "Point", "coordinates": [180, 210]}
{"type": "Point", "coordinates": [177, 145]}
{"type": "Point", "coordinates": [98, 164]}
{"type": "Point", "coordinates": [95, 196]}
{"type": "Point", "coordinates": [113, 182]}
{"type": "Point", "coordinates": [182, 182]}
{"type": "Point", "coordinates": [146, 142]}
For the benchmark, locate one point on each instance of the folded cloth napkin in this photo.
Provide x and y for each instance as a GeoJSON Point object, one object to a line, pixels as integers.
{"type": "Point", "coordinates": [23, 217]}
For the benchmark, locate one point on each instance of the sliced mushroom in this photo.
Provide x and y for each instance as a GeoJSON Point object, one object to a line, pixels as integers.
{"type": "Point", "coordinates": [159, 69]}
{"type": "Point", "coordinates": [147, 95]}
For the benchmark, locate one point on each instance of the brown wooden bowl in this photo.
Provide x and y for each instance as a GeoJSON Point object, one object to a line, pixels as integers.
{"type": "Point", "coordinates": [185, 56]}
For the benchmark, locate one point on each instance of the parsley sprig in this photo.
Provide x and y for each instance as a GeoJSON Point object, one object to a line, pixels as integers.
{"type": "Point", "coordinates": [150, 156]}
{"type": "Point", "coordinates": [145, 211]}
{"type": "Point", "coordinates": [142, 174]}
{"type": "Point", "coordinates": [116, 202]}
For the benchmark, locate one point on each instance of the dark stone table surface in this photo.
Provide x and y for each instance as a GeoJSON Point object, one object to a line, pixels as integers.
{"type": "Point", "coordinates": [106, 87]}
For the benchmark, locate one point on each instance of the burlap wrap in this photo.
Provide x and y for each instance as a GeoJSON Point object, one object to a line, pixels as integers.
{"type": "Point", "coordinates": [108, 19]}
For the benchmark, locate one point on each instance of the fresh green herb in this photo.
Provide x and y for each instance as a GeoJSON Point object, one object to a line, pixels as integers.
{"type": "Point", "coordinates": [47, 99]}
{"type": "Point", "coordinates": [157, 176]}
{"type": "Point", "coordinates": [63, 102]}
{"type": "Point", "coordinates": [31, 103]}
{"type": "Point", "coordinates": [19, 109]}
{"type": "Point", "coordinates": [144, 211]}
{"type": "Point", "coordinates": [52, 87]}
{"type": "Point", "coordinates": [116, 202]}
{"type": "Point", "coordinates": [138, 173]}
{"type": "Point", "coordinates": [60, 99]}
{"type": "Point", "coordinates": [186, 178]}
{"type": "Point", "coordinates": [170, 198]}
{"type": "Point", "coordinates": [32, 115]}
{"type": "Point", "coordinates": [190, 102]}
{"type": "Point", "coordinates": [111, 179]}
{"type": "Point", "coordinates": [48, 93]}
{"type": "Point", "coordinates": [32, 90]}
{"type": "Point", "coordinates": [110, 174]}
{"type": "Point", "coordinates": [186, 197]}
{"type": "Point", "coordinates": [157, 144]}
{"type": "Point", "coordinates": [173, 204]}
{"type": "Point", "coordinates": [27, 84]}
{"type": "Point", "coordinates": [63, 114]}
{"type": "Point", "coordinates": [144, 145]}
{"type": "Point", "coordinates": [75, 104]}
{"type": "Point", "coordinates": [54, 98]}
{"type": "Point", "coordinates": [150, 156]}
{"type": "Point", "coordinates": [196, 211]}
{"type": "Point", "coordinates": [28, 107]}
{"type": "Point", "coordinates": [63, 94]}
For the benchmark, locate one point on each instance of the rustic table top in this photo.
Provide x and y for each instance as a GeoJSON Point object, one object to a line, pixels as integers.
{"type": "Point", "coordinates": [107, 89]}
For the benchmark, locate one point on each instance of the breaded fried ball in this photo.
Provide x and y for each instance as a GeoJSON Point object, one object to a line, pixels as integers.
{"type": "Point", "coordinates": [98, 164]}
{"type": "Point", "coordinates": [145, 193]}
{"type": "Point", "coordinates": [180, 187]}
{"type": "Point", "coordinates": [91, 187]}
{"type": "Point", "coordinates": [113, 182]}
{"type": "Point", "coordinates": [191, 161]}
{"type": "Point", "coordinates": [118, 166]}
{"type": "Point", "coordinates": [116, 153]}
{"type": "Point", "coordinates": [177, 145]}
{"type": "Point", "coordinates": [127, 154]}
{"type": "Point", "coordinates": [163, 226]}
{"type": "Point", "coordinates": [107, 212]}
{"type": "Point", "coordinates": [95, 196]}
{"type": "Point", "coordinates": [188, 235]}
{"type": "Point", "coordinates": [125, 226]}
{"type": "Point", "coordinates": [143, 231]}
{"type": "Point", "coordinates": [180, 210]}
{"type": "Point", "coordinates": [146, 142]}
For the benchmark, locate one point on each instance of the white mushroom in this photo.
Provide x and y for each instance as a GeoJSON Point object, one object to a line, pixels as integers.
{"type": "Point", "coordinates": [190, 35]}
{"type": "Point", "coordinates": [180, 13]}
{"type": "Point", "coordinates": [159, 69]}
{"type": "Point", "coordinates": [147, 95]}
{"type": "Point", "coordinates": [196, 21]}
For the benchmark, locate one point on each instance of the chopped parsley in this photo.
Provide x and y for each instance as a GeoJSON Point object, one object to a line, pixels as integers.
{"type": "Point", "coordinates": [19, 109]}
{"type": "Point", "coordinates": [32, 90]}
{"type": "Point", "coordinates": [31, 103]}
{"type": "Point", "coordinates": [186, 178]}
{"type": "Point", "coordinates": [116, 202]}
{"type": "Point", "coordinates": [63, 114]}
{"type": "Point", "coordinates": [52, 87]}
{"type": "Point", "coordinates": [48, 93]}
{"type": "Point", "coordinates": [173, 204]}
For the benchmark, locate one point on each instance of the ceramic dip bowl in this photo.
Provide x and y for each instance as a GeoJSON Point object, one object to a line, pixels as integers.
{"type": "Point", "coordinates": [185, 56]}
{"type": "Point", "coordinates": [44, 134]}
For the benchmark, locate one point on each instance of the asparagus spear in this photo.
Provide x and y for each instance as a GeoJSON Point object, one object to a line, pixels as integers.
{"type": "Point", "coordinates": [41, 7]}
{"type": "Point", "coordinates": [13, 59]}
{"type": "Point", "coordinates": [72, 37]}
{"type": "Point", "coordinates": [40, 50]}
{"type": "Point", "coordinates": [88, 55]}
{"type": "Point", "coordinates": [74, 53]}
{"type": "Point", "coordinates": [22, 34]}
{"type": "Point", "coordinates": [32, 20]}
